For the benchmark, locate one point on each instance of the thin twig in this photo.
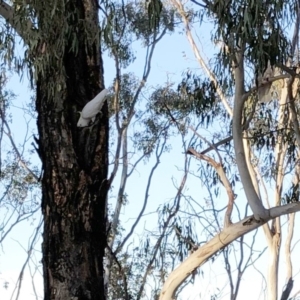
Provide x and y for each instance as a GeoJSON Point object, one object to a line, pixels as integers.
{"type": "Point", "coordinates": [29, 253]}
{"type": "Point", "coordinates": [220, 170]}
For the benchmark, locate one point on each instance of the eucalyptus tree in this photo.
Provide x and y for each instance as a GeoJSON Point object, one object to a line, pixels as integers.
{"type": "Point", "coordinates": [257, 64]}
{"type": "Point", "coordinates": [63, 56]}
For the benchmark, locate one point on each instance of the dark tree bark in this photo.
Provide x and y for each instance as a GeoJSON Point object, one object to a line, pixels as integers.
{"type": "Point", "coordinates": [69, 73]}
{"type": "Point", "coordinates": [286, 293]}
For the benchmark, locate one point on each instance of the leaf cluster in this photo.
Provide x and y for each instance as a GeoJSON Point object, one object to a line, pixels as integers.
{"type": "Point", "coordinates": [255, 27]}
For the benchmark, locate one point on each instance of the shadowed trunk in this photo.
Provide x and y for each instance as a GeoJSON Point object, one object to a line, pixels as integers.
{"type": "Point", "coordinates": [75, 160]}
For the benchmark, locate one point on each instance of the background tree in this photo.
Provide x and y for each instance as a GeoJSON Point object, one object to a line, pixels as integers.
{"type": "Point", "coordinates": [247, 41]}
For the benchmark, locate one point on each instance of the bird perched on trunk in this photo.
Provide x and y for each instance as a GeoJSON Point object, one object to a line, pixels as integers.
{"type": "Point", "coordinates": [91, 109]}
{"type": "Point", "coordinates": [268, 90]}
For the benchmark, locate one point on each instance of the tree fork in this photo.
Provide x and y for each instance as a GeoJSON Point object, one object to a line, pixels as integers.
{"type": "Point", "coordinates": [75, 161]}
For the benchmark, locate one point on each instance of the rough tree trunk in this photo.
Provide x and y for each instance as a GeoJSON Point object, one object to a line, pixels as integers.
{"type": "Point", "coordinates": [75, 160]}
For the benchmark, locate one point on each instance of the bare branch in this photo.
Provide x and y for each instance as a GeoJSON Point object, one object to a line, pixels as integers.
{"type": "Point", "coordinates": [21, 161]}
{"type": "Point", "coordinates": [221, 240]}
{"type": "Point", "coordinates": [147, 69]}
{"type": "Point", "coordinates": [174, 211]}
{"type": "Point", "coordinates": [20, 218]}
{"type": "Point", "coordinates": [253, 174]}
{"type": "Point", "coordinates": [214, 146]}
{"type": "Point", "coordinates": [120, 199]}
{"type": "Point", "coordinates": [288, 261]}
{"type": "Point", "coordinates": [159, 152]}
{"type": "Point", "coordinates": [198, 56]}
{"type": "Point", "coordinates": [254, 201]}
{"type": "Point", "coordinates": [29, 253]}
{"type": "Point", "coordinates": [220, 170]}
{"type": "Point", "coordinates": [199, 4]}
{"type": "Point", "coordinates": [121, 270]}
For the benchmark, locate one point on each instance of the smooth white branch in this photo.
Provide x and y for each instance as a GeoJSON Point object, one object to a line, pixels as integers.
{"type": "Point", "coordinates": [222, 239]}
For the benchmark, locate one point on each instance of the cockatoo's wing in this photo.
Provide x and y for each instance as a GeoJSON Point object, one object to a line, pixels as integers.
{"type": "Point", "coordinates": [93, 107]}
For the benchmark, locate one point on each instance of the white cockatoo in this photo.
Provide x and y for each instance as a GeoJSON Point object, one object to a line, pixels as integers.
{"type": "Point", "coordinates": [91, 109]}
{"type": "Point", "coordinates": [264, 90]}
